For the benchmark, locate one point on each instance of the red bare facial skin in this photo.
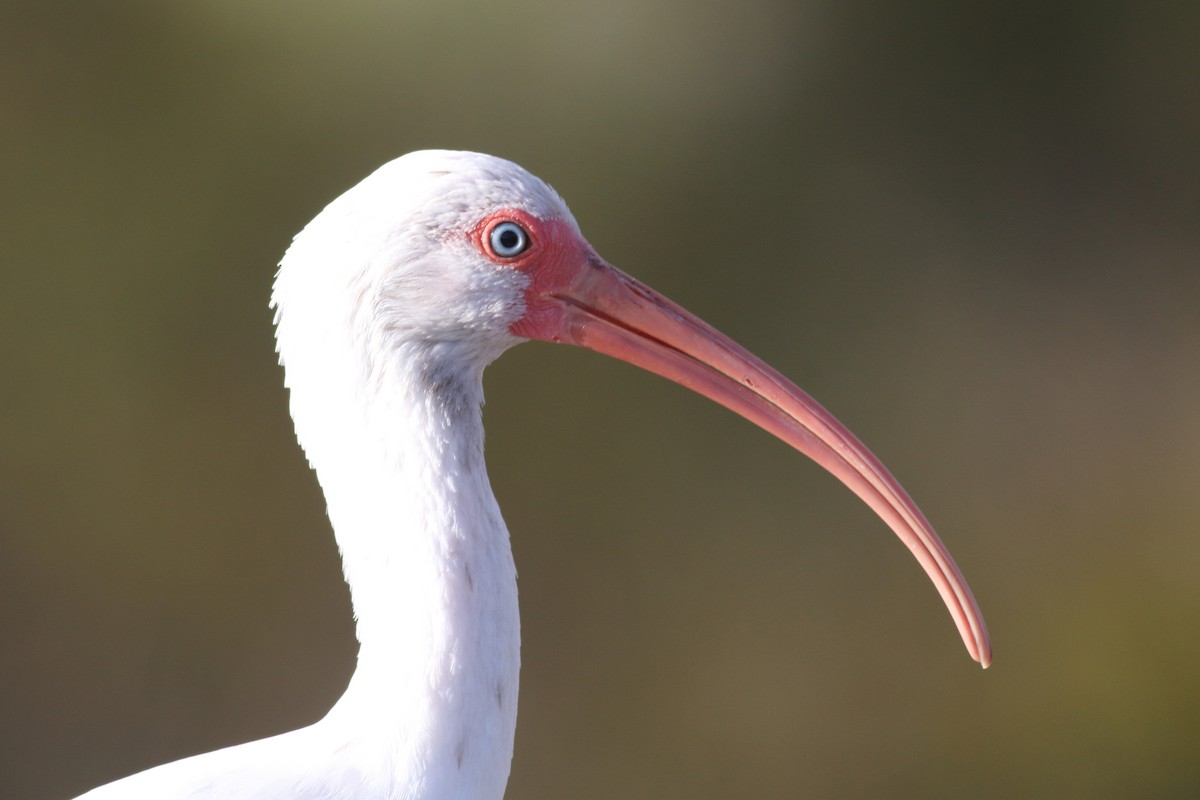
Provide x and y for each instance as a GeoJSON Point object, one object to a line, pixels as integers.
{"type": "Point", "coordinates": [554, 261]}
{"type": "Point", "coordinates": [575, 297]}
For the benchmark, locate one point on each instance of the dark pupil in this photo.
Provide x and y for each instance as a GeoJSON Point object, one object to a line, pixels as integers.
{"type": "Point", "coordinates": [509, 239]}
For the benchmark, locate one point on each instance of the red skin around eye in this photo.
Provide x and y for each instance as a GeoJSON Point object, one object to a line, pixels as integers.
{"type": "Point", "coordinates": [553, 260]}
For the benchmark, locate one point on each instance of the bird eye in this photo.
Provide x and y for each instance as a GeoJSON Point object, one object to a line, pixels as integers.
{"type": "Point", "coordinates": [508, 240]}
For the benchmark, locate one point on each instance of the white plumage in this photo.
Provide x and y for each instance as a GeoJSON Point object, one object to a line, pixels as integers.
{"type": "Point", "coordinates": [389, 305]}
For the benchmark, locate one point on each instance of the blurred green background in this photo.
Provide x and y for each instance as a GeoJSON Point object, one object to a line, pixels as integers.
{"type": "Point", "coordinates": [972, 230]}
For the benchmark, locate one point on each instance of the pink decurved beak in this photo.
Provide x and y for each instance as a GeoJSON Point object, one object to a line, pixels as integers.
{"type": "Point", "coordinates": [579, 299]}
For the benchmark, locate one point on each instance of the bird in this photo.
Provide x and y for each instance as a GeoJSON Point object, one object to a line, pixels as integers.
{"type": "Point", "coordinates": [388, 306]}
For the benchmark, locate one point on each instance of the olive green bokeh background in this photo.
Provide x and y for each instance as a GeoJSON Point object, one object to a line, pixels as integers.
{"type": "Point", "coordinates": [972, 230]}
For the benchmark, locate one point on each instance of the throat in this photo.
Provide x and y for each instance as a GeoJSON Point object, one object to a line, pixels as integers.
{"type": "Point", "coordinates": [431, 575]}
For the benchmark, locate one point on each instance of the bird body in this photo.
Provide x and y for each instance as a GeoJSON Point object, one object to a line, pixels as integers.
{"type": "Point", "coordinates": [389, 305]}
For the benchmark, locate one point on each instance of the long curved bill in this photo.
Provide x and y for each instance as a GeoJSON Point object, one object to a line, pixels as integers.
{"type": "Point", "coordinates": [594, 305]}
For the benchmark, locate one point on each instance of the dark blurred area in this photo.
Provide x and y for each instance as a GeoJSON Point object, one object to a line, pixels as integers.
{"type": "Point", "coordinates": [972, 230]}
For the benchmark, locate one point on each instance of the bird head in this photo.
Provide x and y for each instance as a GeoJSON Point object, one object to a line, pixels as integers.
{"type": "Point", "coordinates": [445, 259]}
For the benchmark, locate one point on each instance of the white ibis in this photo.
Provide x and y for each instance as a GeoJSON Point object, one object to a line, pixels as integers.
{"type": "Point", "coordinates": [388, 307]}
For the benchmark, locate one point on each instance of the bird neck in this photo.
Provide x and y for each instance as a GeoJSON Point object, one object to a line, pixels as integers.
{"type": "Point", "coordinates": [431, 575]}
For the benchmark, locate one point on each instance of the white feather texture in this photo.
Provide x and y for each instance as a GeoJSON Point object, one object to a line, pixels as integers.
{"type": "Point", "coordinates": [386, 315]}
